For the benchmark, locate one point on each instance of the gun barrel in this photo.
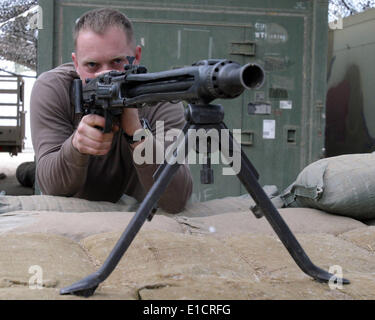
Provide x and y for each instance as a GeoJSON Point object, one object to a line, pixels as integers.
{"type": "Point", "coordinates": [230, 79]}
{"type": "Point", "coordinates": [201, 83]}
{"type": "Point", "coordinates": [252, 76]}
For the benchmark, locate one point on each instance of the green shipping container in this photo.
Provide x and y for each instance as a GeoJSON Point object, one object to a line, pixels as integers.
{"type": "Point", "coordinates": [282, 124]}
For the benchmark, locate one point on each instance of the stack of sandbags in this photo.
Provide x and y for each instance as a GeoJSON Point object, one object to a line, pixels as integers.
{"type": "Point", "coordinates": [170, 265]}
{"type": "Point", "coordinates": [196, 254]}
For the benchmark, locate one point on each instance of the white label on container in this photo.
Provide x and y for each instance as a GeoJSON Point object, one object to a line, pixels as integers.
{"type": "Point", "coordinates": [286, 104]}
{"type": "Point", "coordinates": [269, 127]}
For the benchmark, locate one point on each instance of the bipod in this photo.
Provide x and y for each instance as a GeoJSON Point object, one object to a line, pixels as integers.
{"type": "Point", "coordinates": [201, 117]}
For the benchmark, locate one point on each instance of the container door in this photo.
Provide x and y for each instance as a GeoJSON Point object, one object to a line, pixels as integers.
{"type": "Point", "coordinates": [179, 45]}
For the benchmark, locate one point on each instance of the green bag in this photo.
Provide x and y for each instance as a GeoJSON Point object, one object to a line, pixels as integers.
{"type": "Point", "coordinates": [343, 185]}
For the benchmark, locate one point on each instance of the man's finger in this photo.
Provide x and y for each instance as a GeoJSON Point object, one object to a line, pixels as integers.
{"type": "Point", "coordinates": [87, 145]}
{"type": "Point", "coordinates": [94, 120]}
{"type": "Point", "coordinates": [95, 134]}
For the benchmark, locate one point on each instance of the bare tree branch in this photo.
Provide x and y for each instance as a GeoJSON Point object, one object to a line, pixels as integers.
{"type": "Point", "coordinates": [344, 8]}
{"type": "Point", "coordinates": [347, 6]}
{"type": "Point", "coordinates": [10, 9]}
{"type": "Point", "coordinates": [17, 39]}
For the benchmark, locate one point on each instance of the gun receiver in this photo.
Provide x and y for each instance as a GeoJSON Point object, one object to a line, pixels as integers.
{"type": "Point", "coordinates": [201, 83]}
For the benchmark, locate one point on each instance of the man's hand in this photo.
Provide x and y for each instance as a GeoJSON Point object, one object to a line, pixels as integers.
{"type": "Point", "coordinates": [89, 140]}
{"type": "Point", "coordinates": [129, 118]}
{"type": "Point", "coordinates": [95, 142]}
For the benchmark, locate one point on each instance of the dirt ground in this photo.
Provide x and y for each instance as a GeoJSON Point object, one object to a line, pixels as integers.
{"type": "Point", "coordinates": [8, 166]}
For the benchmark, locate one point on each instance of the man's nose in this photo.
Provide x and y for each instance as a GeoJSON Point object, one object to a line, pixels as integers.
{"type": "Point", "coordinates": [106, 67]}
{"type": "Point", "coordinates": [103, 69]}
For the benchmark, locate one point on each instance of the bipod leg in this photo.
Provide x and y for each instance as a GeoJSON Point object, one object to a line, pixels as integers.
{"type": "Point", "coordinates": [268, 210]}
{"type": "Point", "coordinates": [87, 286]}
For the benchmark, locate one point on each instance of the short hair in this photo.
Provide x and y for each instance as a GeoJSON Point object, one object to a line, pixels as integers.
{"type": "Point", "coordinates": [99, 20]}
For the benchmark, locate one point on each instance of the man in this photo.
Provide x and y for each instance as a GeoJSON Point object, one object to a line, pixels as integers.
{"type": "Point", "coordinates": [76, 159]}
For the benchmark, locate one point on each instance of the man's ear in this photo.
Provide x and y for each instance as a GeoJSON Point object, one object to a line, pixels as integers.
{"type": "Point", "coordinates": [138, 54]}
{"type": "Point", "coordinates": [74, 58]}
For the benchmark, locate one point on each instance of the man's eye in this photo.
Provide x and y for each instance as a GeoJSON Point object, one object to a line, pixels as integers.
{"type": "Point", "coordinates": [117, 61]}
{"type": "Point", "coordinates": [91, 65]}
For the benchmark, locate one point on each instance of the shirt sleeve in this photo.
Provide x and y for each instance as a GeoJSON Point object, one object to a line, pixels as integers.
{"type": "Point", "coordinates": [61, 169]}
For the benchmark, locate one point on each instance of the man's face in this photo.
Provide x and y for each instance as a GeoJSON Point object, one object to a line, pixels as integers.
{"type": "Point", "coordinates": [96, 53]}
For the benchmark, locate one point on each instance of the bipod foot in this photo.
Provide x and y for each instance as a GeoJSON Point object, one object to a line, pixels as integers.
{"type": "Point", "coordinates": [321, 275]}
{"type": "Point", "coordinates": [84, 288]}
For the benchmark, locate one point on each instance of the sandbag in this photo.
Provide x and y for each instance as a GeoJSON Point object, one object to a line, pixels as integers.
{"type": "Point", "coordinates": [343, 185]}
{"type": "Point", "coordinates": [78, 225]}
{"type": "Point", "coordinates": [299, 220]}
{"type": "Point", "coordinates": [63, 204]}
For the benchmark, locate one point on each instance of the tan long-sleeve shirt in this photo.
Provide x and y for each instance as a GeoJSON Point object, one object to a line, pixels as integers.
{"type": "Point", "coordinates": [63, 171]}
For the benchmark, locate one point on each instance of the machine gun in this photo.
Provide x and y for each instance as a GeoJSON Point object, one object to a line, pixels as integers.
{"type": "Point", "coordinates": [199, 85]}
